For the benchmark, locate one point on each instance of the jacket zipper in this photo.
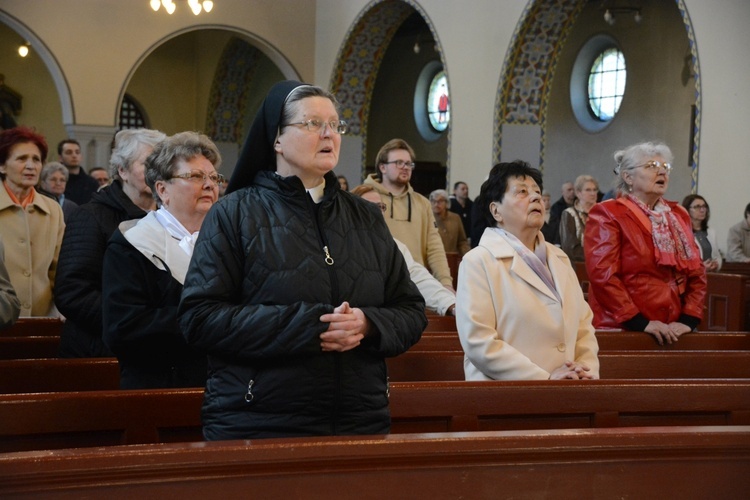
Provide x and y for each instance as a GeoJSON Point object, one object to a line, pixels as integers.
{"type": "Point", "coordinates": [335, 299]}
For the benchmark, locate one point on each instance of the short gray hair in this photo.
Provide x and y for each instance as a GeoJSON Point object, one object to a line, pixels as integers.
{"type": "Point", "coordinates": [161, 164]}
{"type": "Point", "coordinates": [439, 192]}
{"type": "Point", "coordinates": [635, 156]}
{"type": "Point", "coordinates": [52, 167]}
{"type": "Point", "coordinates": [128, 145]}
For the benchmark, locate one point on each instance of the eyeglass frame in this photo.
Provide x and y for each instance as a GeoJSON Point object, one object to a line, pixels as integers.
{"type": "Point", "coordinates": [408, 164]}
{"type": "Point", "coordinates": [699, 207]}
{"type": "Point", "coordinates": [189, 176]}
{"type": "Point", "coordinates": [657, 166]}
{"type": "Point", "coordinates": [334, 126]}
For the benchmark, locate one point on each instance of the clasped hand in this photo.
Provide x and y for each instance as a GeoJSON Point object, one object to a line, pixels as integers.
{"type": "Point", "coordinates": [347, 327]}
{"type": "Point", "coordinates": [571, 370]}
{"type": "Point", "coordinates": [666, 332]}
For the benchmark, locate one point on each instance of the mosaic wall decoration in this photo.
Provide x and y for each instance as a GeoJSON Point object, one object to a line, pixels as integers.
{"type": "Point", "coordinates": [696, 126]}
{"type": "Point", "coordinates": [227, 101]}
{"type": "Point", "coordinates": [530, 65]}
{"type": "Point", "coordinates": [360, 57]}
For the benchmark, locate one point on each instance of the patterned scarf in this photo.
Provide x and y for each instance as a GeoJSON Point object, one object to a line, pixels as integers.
{"type": "Point", "coordinates": [536, 260]}
{"type": "Point", "coordinates": [671, 243]}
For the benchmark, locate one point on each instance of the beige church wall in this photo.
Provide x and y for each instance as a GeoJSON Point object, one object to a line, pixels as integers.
{"type": "Point", "coordinates": [29, 77]}
{"type": "Point", "coordinates": [723, 174]}
{"type": "Point", "coordinates": [99, 43]}
{"type": "Point", "coordinates": [173, 84]}
{"type": "Point", "coordinates": [656, 105]}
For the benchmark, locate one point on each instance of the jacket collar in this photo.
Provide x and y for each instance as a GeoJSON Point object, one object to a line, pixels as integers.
{"type": "Point", "coordinates": [41, 202]}
{"type": "Point", "coordinates": [501, 250]}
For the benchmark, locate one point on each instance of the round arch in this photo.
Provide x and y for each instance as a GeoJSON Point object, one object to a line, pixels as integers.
{"type": "Point", "coordinates": [367, 40]}
{"type": "Point", "coordinates": [58, 77]}
{"type": "Point", "coordinates": [274, 55]}
{"type": "Point", "coordinates": [523, 98]}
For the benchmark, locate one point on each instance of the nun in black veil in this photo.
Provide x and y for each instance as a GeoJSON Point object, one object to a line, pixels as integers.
{"type": "Point", "coordinates": [296, 289]}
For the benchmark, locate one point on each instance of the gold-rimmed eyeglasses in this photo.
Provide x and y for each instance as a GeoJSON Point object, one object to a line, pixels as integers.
{"type": "Point", "coordinates": [198, 176]}
{"type": "Point", "coordinates": [657, 165]}
{"type": "Point", "coordinates": [335, 126]}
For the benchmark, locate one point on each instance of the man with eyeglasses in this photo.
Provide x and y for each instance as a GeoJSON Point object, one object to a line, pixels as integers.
{"type": "Point", "coordinates": [408, 214]}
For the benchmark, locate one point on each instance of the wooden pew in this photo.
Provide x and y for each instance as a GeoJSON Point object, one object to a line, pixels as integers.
{"type": "Point", "coordinates": [617, 341]}
{"type": "Point", "coordinates": [727, 303]}
{"type": "Point", "coordinates": [52, 375]}
{"type": "Point", "coordinates": [106, 418]}
{"type": "Point", "coordinates": [415, 366]}
{"type": "Point", "coordinates": [29, 347]}
{"type": "Point", "coordinates": [45, 375]}
{"type": "Point", "coordinates": [34, 327]}
{"type": "Point", "coordinates": [652, 462]}
{"type": "Point", "coordinates": [735, 268]}
{"type": "Point", "coordinates": [440, 323]}
{"type": "Point", "coordinates": [636, 341]}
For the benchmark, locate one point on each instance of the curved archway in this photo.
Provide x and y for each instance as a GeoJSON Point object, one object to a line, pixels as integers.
{"type": "Point", "coordinates": [359, 59]}
{"type": "Point", "coordinates": [529, 69]}
{"type": "Point", "coordinates": [58, 77]}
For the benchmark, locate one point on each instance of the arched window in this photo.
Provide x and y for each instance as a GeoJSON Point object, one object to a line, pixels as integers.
{"type": "Point", "coordinates": [607, 84]}
{"type": "Point", "coordinates": [131, 114]}
{"type": "Point", "coordinates": [438, 102]}
{"type": "Point", "coordinates": [432, 106]}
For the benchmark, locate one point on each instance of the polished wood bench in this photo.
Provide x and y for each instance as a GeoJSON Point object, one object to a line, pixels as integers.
{"type": "Point", "coordinates": [50, 375]}
{"type": "Point", "coordinates": [34, 327]}
{"type": "Point", "coordinates": [727, 306]}
{"type": "Point", "coordinates": [651, 462]}
{"type": "Point", "coordinates": [106, 418]}
{"type": "Point", "coordinates": [414, 366]}
{"type": "Point", "coordinates": [45, 375]}
{"type": "Point", "coordinates": [29, 347]}
{"type": "Point", "coordinates": [616, 341]}
{"type": "Point", "coordinates": [440, 323]}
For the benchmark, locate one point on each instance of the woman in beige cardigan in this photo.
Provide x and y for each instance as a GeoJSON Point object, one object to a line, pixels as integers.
{"type": "Point", "coordinates": [31, 224]}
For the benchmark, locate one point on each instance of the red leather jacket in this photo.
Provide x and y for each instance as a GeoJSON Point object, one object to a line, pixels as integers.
{"type": "Point", "coordinates": [624, 277]}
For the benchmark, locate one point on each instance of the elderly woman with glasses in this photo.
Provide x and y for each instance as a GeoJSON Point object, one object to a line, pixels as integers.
{"type": "Point", "coordinates": [52, 182]}
{"type": "Point", "coordinates": [705, 237]}
{"type": "Point", "coordinates": [645, 270]}
{"type": "Point", "coordinates": [146, 262]}
{"type": "Point", "coordinates": [297, 290]}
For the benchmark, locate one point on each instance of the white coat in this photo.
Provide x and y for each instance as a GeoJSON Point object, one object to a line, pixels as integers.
{"type": "Point", "coordinates": [511, 326]}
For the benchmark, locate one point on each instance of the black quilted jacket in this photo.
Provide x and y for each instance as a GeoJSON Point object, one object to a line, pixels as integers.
{"type": "Point", "coordinates": [78, 282]}
{"type": "Point", "coordinates": [257, 285]}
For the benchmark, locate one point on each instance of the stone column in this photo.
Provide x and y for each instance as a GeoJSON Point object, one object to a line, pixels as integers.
{"type": "Point", "coordinates": [96, 143]}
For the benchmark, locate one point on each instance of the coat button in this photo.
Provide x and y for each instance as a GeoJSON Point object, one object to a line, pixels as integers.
{"type": "Point", "coordinates": [561, 347]}
{"type": "Point", "coordinates": [26, 273]}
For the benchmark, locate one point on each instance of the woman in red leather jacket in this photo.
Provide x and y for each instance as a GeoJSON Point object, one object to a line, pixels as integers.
{"type": "Point", "coordinates": [644, 268]}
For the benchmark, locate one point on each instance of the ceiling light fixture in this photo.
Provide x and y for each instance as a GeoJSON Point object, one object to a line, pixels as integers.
{"type": "Point", "coordinates": [611, 10]}
{"type": "Point", "coordinates": [197, 6]}
{"type": "Point", "coordinates": [23, 50]}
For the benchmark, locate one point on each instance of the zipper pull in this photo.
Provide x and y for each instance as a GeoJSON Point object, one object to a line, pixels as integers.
{"type": "Point", "coordinates": [328, 259]}
{"type": "Point", "coordinates": [250, 396]}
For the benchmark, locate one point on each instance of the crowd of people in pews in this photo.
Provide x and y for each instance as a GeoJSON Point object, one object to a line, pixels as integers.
{"type": "Point", "coordinates": [284, 297]}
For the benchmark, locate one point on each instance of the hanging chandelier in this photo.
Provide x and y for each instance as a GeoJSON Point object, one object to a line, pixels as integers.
{"type": "Point", "coordinates": [197, 6]}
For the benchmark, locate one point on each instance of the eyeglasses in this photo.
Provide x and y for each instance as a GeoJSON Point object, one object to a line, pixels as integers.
{"type": "Point", "coordinates": [199, 177]}
{"type": "Point", "coordinates": [335, 126]}
{"type": "Point", "coordinates": [699, 207]}
{"type": "Point", "coordinates": [401, 164]}
{"type": "Point", "coordinates": [656, 165]}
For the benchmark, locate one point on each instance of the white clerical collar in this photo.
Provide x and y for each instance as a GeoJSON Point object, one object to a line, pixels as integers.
{"type": "Point", "coordinates": [316, 193]}
{"type": "Point", "coordinates": [176, 230]}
